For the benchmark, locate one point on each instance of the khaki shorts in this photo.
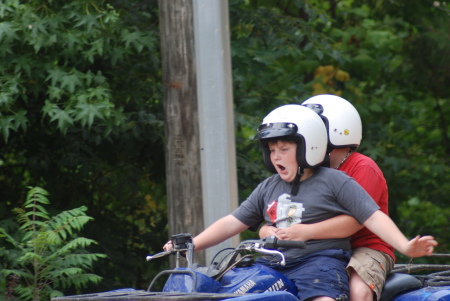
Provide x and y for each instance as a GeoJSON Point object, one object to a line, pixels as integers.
{"type": "Point", "coordinates": [372, 266]}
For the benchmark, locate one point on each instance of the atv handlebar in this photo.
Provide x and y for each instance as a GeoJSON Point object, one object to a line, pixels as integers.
{"type": "Point", "coordinates": [270, 246]}
{"type": "Point", "coordinates": [273, 243]}
{"type": "Point", "coordinates": [182, 244]}
{"type": "Point", "coordinates": [158, 255]}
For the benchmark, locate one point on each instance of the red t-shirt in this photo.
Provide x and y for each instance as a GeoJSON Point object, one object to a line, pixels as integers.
{"type": "Point", "coordinates": [367, 173]}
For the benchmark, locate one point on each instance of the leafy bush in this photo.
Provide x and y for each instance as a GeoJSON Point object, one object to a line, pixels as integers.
{"type": "Point", "coordinates": [46, 255]}
{"type": "Point", "coordinates": [418, 217]}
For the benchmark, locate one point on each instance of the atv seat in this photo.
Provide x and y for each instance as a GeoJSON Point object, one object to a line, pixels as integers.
{"type": "Point", "coordinates": [397, 283]}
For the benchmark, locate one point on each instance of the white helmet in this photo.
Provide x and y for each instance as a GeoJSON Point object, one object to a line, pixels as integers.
{"type": "Point", "coordinates": [341, 120]}
{"type": "Point", "coordinates": [297, 123]}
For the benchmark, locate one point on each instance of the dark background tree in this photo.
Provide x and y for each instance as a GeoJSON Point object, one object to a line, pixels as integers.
{"type": "Point", "coordinates": [388, 59]}
{"type": "Point", "coordinates": [81, 115]}
{"type": "Point", "coordinates": [81, 111]}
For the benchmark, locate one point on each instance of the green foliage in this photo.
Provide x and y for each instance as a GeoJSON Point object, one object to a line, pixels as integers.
{"type": "Point", "coordinates": [46, 255]}
{"type": "Point", "coordinates": [394, 60]}
{"type": "Point", "coordinates": [57, 51]}
{"type": "Point", "coordinates": [426, 218]}
{"type": "Point", "coordinates": [81, 114]}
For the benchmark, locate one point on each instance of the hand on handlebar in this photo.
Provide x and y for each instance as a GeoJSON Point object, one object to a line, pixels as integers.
{"type": "Point", "coordinates": [266, 231]}
{"type": "Point", "coordinates": [168, 246]}
{"type": "Point", "coordinates": [294, 232]}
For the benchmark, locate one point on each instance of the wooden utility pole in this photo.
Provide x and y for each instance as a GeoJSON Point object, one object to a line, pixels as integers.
{"type": "Point", "coordinates": [198, 104]}
{"type": "Point", "coordinates": [183, 173]}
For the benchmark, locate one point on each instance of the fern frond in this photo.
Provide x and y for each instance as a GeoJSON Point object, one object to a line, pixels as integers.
{"type": "Point", "coordinates": [37, 195]}
{"type": "Point", "coordinates": [66, 215]}
{"type": "Point", "coordinates": [38, 208]}
{"type": "Point", "coordinates": [45, 257]}
{"type": "Point", "coordinates": [84, 260]}
{"type": "Point", "coordinates": [67, 221]}
{"type": "Point", "coordinates": [10, 239]}
{"type": "Point", "coordinates": [55, 293]}
{"type": "Point", "coordinates": [26, 235]}
{"type": "Point", "coordinates": [53, 239]}
{"type": "Point", "coordinates": [77, 243]}
{"type": "Point", "coordinates": [78, 280]}
{"type": "Point", "coordinates": [30, 225]}
{"type": "Point", "coordinates": [19, 213]}
{"type": "Point", "coordinates": [30, 257]}
{"type": "Point", "coordinates": [23, 274]}
{"type": "Point", "coordinates": [33, 215]}
{"type": "Point", "coordinates": [66, 272]}
{"type": "Point", "coordinates": [29, 232]}
{"type": "Point", "coordinates": [24, 293]}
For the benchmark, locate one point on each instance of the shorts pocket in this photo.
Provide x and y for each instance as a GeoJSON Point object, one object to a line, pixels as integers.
{"type": "Point", "coordinates": [377, 269]}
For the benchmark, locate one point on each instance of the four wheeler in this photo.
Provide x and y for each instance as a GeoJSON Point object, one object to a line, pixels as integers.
{"type": "Point", "coordinates": [236, 276]}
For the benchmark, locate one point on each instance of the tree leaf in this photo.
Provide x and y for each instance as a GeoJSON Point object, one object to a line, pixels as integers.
{"type": "Point", "coordinates": [86, 113]}
{"type": "Point", "coordinates": [6, 124]}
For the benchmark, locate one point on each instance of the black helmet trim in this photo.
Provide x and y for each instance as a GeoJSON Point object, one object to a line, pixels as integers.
{"type": "Point", "coordinates": [274, 130]}
{"type": "Point", "coordinates": [318, 108]}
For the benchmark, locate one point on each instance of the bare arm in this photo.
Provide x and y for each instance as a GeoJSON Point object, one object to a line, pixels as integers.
{"type": "Point", "coordinates": [383, 226]}
{"type": "Point", "coordinates": [219, 231]}
{"type": "Point", "coordinates": [337, 227]}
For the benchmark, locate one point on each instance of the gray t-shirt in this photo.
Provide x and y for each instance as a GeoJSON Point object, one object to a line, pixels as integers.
{"type": "Point", "coordinates": [326, 194]}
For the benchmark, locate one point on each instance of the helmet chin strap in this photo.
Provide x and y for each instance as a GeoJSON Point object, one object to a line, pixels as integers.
{"type": "Point", "coordinates": [326, 160]}
{"type": "Point", "coordinates": [296, 182]}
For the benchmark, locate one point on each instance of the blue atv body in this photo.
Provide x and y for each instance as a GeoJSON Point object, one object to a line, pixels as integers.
{"type": "Point", "coordinates": [399, 287]}
{"type": "Point", "coordinates": [256, 278]}
{"type": "Point", "coordinates": [238, 278]}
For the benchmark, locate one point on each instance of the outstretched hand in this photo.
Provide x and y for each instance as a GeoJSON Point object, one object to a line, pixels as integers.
{"type": "Point", "coordinates": [420, 246]}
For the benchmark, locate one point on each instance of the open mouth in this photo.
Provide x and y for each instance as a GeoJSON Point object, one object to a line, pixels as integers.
{"type": "Point", "coordinates": [281, 167]}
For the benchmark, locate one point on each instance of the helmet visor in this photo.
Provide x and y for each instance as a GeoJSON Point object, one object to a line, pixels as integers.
{"type": "Point", "coordinates": [318, 108]}
{"type": "Point", "coordinates": [273, 130]}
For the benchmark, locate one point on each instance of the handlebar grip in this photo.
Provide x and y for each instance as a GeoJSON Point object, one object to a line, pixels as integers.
{"type": "Point", "coordinates": [273, 243]}
{"type": "Point", "coordinates": [297, 244]}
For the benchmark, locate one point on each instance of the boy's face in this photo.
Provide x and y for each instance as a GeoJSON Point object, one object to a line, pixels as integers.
{"type": "Point", "coordinates": [283, 157]}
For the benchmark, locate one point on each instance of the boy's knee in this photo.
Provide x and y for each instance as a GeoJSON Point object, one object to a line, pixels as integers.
{"type": "Point", "coordinates": [361, 292]}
